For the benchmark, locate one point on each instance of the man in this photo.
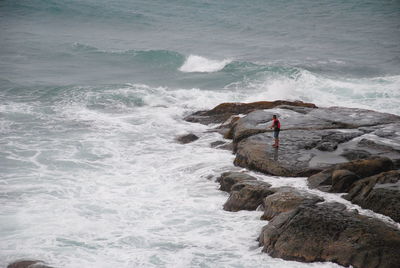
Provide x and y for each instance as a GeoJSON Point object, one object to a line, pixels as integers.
{"type": "Point", "coordinates": [276, 125]}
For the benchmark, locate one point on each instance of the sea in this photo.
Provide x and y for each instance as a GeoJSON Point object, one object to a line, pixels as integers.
{"type": "Point", "coordinates": [93, 94]}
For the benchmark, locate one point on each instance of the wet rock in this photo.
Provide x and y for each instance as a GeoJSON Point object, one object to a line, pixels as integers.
{"type": "Point", "coordinates": [245, 108]}
{"type": "Point", "coordinates": [313, 141]}
{"type": "Point", "coordinates": [327, 232]}
{"type": "Point", "coordinates": [353, 117]}
{"type": "Point", "coordinates": [327, 146]}
{"type": "Point", "coordinates": [217, 143]}
{"type": "Point", "coordinates": [379, 193]}
{"type": "Point", "coordinates": [228, 179]}
{"type": "Point", "coordinates": [342, 179]}
{"type": "Point", "coordinates": [362, 168]}
{"type": "Point", "coordinates": [286, 199]}
{"type": "Point", "coordinates": [187, 138]}
{"type": "Point", "coordinates": [355, 154]}
{"type": "Point", "coordinates": [222, 145]}
{"type": "Point", "coordinates": [28, 264]}
{"type": "Point", "coordinates": [247, 195]}
{"type": "Point", "coordinates": [294, 158]}
{"type": "Point", "coordinates": [259, 121]}
{"type": "Point", "coordinates": [224, 111]}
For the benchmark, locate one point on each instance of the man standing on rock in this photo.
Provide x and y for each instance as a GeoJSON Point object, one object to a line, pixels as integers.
{"type": "Point", "coordinates": [276, 125]}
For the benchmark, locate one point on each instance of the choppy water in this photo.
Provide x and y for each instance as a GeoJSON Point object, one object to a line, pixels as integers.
{"type": "Point", "coordinates": [93, 94]}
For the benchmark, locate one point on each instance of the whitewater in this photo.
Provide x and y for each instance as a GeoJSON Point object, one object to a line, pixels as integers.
{"type": "Point", "coordinates": [93, 95]}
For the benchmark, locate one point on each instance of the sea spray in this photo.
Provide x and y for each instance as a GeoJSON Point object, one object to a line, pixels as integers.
{"type": "Point", "coordinates": [203, 65]}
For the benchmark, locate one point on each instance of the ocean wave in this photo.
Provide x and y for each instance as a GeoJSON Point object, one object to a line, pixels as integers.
{"type": "Point", "coordinates": [377, 93]}
{"type": "Point", "coordinates": [200, 64]}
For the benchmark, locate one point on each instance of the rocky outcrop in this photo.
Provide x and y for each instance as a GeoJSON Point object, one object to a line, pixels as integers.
{"type": "Point", "coordinates": [312, 139]}
{"type": "Point", "coordinates": [380, 193]}
{"type": "Point", "coordinates": [327, 232]}
{"type": "Point", "coordinates": [187, 138]}
{"type": "Point", "coordinates": [340, 177]}
{"type": "Point", "coordinates": [317, 143]}
{"type": "Point", "coordinates": [286, 199]}
{"type": "Point", "coordinates": [28, 264]}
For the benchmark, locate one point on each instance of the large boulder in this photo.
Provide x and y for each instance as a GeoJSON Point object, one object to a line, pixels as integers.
{"type": "Point", "coordinates": [224, 111]}
{"type": "Point", "coordinates": [247, 195]}
{"type": "Point", "coordinates": [228, 179]}
{"type": "Point", "coordinates": [286, 199]}
{"type": "Point", "coordinates": [327, 232]}
{"type": "Point", "coordinates": [245, 108]}
{"type": "Point", "coordinates": [380, 193]}
{"type": "Point", "coordinates": [336, 178]}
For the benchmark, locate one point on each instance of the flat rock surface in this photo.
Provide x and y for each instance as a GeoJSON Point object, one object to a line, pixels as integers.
{"type": "Point", "coordinates": [314, 140]}
{"type": "Point", "coordinates": [327, 232]}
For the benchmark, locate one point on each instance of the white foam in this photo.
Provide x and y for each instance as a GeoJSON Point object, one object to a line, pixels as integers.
{"type": "Point", "coordinates": [379, 93]}
{"type": "Point", "coordinates": [117, 191]}
{"type": "Point", "coordinates": [200, 64]}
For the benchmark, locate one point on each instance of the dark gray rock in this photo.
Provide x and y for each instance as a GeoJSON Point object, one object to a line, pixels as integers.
{"type": "Point", "coordinates": [28, 264]}
{"type": "Point", "coordinates": [353, 117]}
{"type": "Point", "coordinates": [355, 154]}
{"type": "Point", "coordinates": [327, 232]}
{"type": "Point", "coordinates": [217, 143]}
{"type": "Point", "coordinates": [187, 138]}
{"type": "Point", "coordinates": [296, 157]}
{"type": "Point", "coordinates": [247, 195]}
{"type": "Point", "coordinates": [222, 145]}
{"type": "Point", "coordinates": [313, 141]}
{"type": "Point", "coordinates": [379, 193]}
{"type": "Point", "coordinates": [327, 146]}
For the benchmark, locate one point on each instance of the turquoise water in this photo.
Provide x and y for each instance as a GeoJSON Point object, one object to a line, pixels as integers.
{"type": "Point", "coordinates": [93, 94]}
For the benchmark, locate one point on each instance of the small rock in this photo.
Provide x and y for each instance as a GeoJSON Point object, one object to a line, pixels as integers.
{"type": "Point", "coordinates": [217, 143]}
{"type": "Point", "coordinates": [187, 138]}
